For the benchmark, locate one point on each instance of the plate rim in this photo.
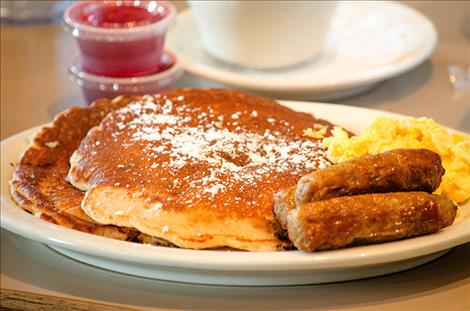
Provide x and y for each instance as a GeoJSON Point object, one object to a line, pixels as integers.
{"type": "Point", "coordinates": [381, 73]}
{"type": "Point", "coordinates": [17, 220]}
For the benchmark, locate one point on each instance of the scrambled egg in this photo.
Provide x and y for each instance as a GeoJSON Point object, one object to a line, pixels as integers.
{"type": "Point", "coordinates": [392, 133]}
{"type": "Point", "coordinates": [317, 131]}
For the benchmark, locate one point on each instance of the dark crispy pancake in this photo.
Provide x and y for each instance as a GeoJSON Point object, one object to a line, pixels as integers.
{"type": "Point", "coordinates": [38, 184]}
{"type": "Point", "coordinates": [197, 168]}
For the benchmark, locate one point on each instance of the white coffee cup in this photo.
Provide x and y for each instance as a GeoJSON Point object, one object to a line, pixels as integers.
{"type": "Point", "coordinates": [263, 34]}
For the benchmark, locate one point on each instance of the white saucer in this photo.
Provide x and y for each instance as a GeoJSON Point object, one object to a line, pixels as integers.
{"type": "Point", "coordinates": [368, 43]}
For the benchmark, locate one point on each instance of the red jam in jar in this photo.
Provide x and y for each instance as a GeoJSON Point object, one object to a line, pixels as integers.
{"type": "Point", "coordinates": [120, 38]}
{"type": "Point", "coordinates": [119, 16]}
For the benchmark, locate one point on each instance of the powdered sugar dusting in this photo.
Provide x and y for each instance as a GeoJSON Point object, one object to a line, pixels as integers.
{"type": "Point", "coordinates": [229, 153]}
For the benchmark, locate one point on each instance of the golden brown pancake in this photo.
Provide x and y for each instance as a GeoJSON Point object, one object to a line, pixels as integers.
{"type": "Point", "coordinates": [197, 168]}
{"type": "Point", "coordinates": [38, 184]}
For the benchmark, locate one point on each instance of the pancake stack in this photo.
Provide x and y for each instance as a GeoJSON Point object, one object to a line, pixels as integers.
{"type": "Point", "coordinates": [189, 168]}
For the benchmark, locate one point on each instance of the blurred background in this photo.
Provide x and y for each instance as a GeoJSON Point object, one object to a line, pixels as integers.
{"type": "Point", "coordinates": [36, 53]}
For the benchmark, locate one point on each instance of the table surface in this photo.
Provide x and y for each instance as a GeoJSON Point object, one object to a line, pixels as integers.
{"type": "Point", "coordinates": [35, 87]}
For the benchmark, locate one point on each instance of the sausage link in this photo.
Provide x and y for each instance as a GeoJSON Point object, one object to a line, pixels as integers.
{"type": "Point", "coordinates": [390, 171]}
{"type": "Point", "coordinates": [284, 202]}
{"type": "Point", "coordinates": [367, 218]}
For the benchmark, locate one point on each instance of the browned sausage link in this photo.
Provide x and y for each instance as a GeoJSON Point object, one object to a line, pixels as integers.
{"type": "Point", "coordinates": [284, 202]}
{"type": "Point", "coordinates": [367, 218]}
{"type": "Point", "coordinates": [390, 171]}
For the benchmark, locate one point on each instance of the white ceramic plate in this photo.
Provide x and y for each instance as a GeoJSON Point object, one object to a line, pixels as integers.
{"type": "Point", "coordinates": [370, 41]}
{"type": "Point", "coordinates": [233, 267]}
